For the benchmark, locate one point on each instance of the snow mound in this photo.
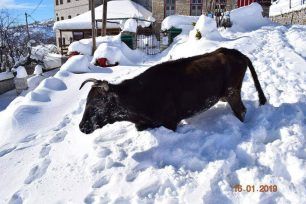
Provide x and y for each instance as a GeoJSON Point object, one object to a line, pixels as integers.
{"type": "Point", "coordinates": [207, 27]}
{"type": "Point", "coordinates": [81, 47]}
{"type": "Point", "coordinates": [84, 46]}
{"type": "Point", "coordinates": [178, 21]}
{"type": "Point", "coordinates": [53, 84]}
{"type": "Point", "coordinates": [77, 64]}
{"type": "Point", "coordinates": [38, 69]}
{"type": "Point", "coordinates": [117, 51]}
{"type": "Point", "coordinates": [248, 18]}
{"type": "Point", "coordinates": [21, 72]}
{"type": "Point", "coordinates": [130, 26]}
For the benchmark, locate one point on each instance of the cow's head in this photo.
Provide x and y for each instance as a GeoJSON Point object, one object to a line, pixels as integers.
{"type": "Point", "coordinates": [101, 107]}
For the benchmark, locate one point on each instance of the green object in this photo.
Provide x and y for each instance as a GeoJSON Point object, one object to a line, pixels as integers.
{"type": "Point", "coordinates": [128, 40]}
{"type": "Point", "coordinates": [198, 35]}
{"type": "Point", "coordinates": [173, 32]}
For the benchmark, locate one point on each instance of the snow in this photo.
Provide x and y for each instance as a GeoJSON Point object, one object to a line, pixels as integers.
{"type": "Point", "coordinates": [283, 6]}
{"type": "Point", "coordinates": [115, 9]}
{"type": "Point", "coordinates": [47, 159]}
{"type": "Point", "coordinates": [48, 54]}
{"type": "Point", "coordinates": [248, 18]}
{"type": "Point", "coordinates": [6, 75]}
{"type": "Point", "coordinates": [21, 72]}
{"type": "Point", "coordinates": [117, 51]}
{"type": "Point", "coordinates": [38, 70]}
{"type": "Point", "coordinates": [130, 25]}
{"type": "Point", "coordinates": [77, 64]}
{"type": "Point", "coordinates": [179, 21]}
{"type": "Point", "coordinates": [207, 27]}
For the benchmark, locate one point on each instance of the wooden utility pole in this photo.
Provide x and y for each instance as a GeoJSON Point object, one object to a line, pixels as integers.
{"type": "Point", "coordinates": [93, 26]}
{"type": "Point", "coordinates": [104, 18]}
{"type": "Point", "coordinates": [28, 32]}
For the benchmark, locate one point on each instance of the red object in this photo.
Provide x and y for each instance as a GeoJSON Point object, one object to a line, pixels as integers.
{"type": "Point", "coordinates": [102, 62]}
{"type": "Point", "coordinates": [241, 3]}
{"type": "Point", "coordinates": [73, 54]}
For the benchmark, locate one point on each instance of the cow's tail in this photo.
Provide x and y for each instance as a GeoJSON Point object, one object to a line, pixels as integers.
{"type": "Point", "coordinates": [261, 95]}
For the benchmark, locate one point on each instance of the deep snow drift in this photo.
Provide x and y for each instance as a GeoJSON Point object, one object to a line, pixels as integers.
{"type": "Point", "coordinates": [44, 158]}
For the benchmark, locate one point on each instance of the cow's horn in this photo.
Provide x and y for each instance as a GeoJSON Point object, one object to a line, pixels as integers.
{"type": "Point", "coordinates": [89, 80]}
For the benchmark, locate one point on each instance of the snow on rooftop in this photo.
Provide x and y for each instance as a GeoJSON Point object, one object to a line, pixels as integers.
{"type": "Point", "coordinates": [283, 6]}
{"type": "Point", "coordinates": [115, 9]}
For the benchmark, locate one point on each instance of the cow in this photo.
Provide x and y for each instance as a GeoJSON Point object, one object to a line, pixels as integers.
{"type": "Point", "coordinates": [166, 93]}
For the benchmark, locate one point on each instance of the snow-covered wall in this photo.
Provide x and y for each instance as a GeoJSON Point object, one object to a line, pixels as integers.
{"type": "Point", "coordinates": [294, 17]}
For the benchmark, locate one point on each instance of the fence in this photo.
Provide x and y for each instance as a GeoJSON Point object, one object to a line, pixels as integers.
{"type": "Point", "coordinates": [148, 41]}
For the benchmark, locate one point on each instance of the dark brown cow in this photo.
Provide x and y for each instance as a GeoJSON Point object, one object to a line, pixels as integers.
{"type": "Point", "coordinates": [169, 92]}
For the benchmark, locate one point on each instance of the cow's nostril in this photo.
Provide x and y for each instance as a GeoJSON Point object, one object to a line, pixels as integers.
{"type": "Point", "coordinates": [85, 128]}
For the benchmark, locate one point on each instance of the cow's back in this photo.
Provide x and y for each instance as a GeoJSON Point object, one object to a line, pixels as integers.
{"type": "Point", "coordinates": [181, 87]}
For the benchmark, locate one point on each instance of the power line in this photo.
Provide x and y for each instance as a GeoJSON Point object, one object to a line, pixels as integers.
{"type": "Point", "coordinates": [38, 5]}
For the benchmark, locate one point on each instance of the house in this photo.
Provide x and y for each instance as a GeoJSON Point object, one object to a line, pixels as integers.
{"type": "Point", "coordinates": [80, 26]}
{"type": "Point", "coordinates": [66, 9]}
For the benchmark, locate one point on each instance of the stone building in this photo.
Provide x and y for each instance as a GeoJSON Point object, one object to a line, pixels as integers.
{"type": "Point", "coordinates": [66, 9]}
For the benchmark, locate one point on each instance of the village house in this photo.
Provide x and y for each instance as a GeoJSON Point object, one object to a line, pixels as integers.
{"type": "Point", "coordinates": [68, 32]}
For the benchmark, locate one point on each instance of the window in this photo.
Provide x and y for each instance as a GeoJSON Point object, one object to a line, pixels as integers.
{"type": "Point", "coordinates": [68, 1]}
{"type": "Point", "coordinates": [56, 2]}
{"type": "Point", "coordinates": [169, 7]}
{"type": "Point", "coordinates": [57, 19]}
{"type": "Point", "coordinates": [61, 1]}
{"type": "Point", "coordinates": [69, 17]}
{"type": "Point", "coordinates": [62, 18]}
{"type": "Point", "coordinates": [196, 7]}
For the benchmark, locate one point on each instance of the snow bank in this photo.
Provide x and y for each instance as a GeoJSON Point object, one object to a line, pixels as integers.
{"type": "Point", "coordinates": [248, 18]}
{"type": "Point", "coordinates": [117, 51]}
{"type": "Point", "coordinates": [84, 46]}
{"type": "Point", "coordinates": [178, 21]}
{"type": "Point", "coordinates": [21, 72]}
{"type": "Point", "coordinates": [207, 27]}
{"type": "Point", "coordinates": [80, 47]}
{"type": "Point", "coordinates": [77, 64]}
{"type": "Point", "coordinates": [130, 26]}
{"type": "Point", "coordinates": [109, 47]}
{"type": "Point", "coordinates": [6, 75]}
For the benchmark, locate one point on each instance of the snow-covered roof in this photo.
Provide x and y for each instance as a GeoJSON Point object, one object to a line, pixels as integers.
{"type": "Point", "coordinates": [115, 9]}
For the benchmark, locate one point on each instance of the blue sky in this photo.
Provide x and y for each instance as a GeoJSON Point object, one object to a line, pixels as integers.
{"type": "Point", "coordinates": [19, 7]}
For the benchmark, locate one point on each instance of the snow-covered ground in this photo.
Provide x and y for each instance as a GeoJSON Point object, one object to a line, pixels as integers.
{"type": "Point", "coordinates": [44, 157]}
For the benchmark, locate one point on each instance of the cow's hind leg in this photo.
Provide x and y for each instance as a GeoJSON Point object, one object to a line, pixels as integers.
{"type": "Point", "coordinates": [234, 99]}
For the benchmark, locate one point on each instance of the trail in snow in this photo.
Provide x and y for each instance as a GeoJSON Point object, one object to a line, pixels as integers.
{"type": "Point", "coordinates": [200, 162]}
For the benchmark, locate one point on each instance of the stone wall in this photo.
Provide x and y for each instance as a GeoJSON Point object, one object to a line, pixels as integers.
{"type": "Point", "coordinates": [6, 85]}
{"type": "Point", "coordinates": [295, 17]}
{"type": "Point", "coordinates": [182, 7]}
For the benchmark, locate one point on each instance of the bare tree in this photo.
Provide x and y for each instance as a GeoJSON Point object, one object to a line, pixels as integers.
{"type": "Point", "coordinates": [15, 47]}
